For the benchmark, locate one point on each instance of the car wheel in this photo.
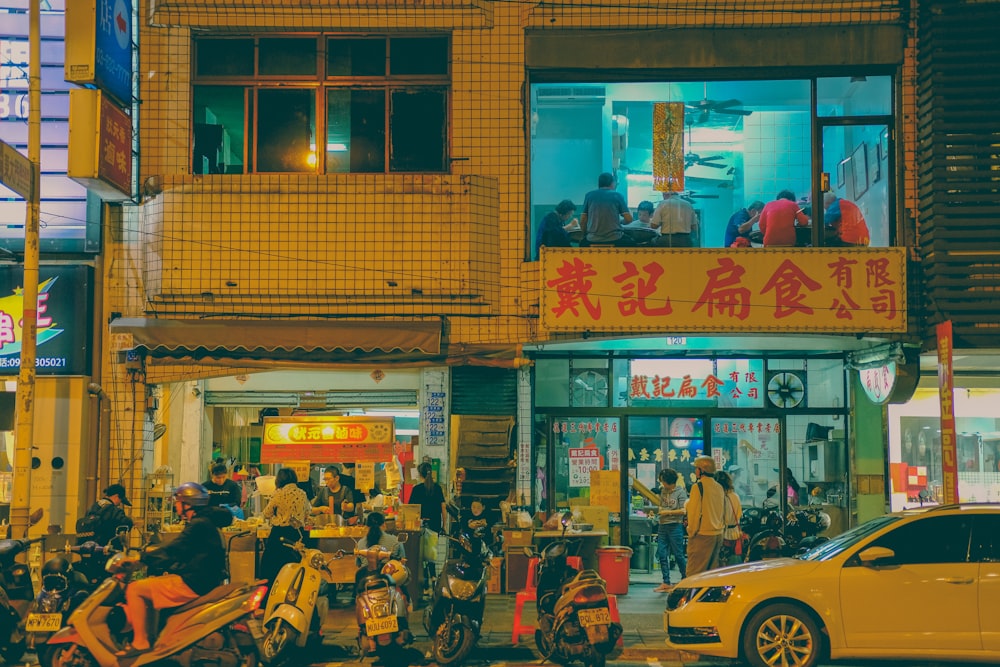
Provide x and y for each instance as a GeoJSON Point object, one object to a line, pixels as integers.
{"type": "Point", "coordinates": [782, 634]}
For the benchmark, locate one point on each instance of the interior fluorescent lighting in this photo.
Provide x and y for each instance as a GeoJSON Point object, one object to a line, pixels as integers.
{"type": "Point", "coordinates": [337, 147]}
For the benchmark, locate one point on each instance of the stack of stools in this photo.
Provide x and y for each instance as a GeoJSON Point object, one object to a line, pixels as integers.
{"type": "Point", "coordinates": [530, 594]}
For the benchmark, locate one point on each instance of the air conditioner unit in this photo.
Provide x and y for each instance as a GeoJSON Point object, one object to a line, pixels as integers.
{"type": "Point", "coordinates": [571, 95]}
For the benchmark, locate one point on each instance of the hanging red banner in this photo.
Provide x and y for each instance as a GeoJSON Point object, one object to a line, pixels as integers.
{"type": "Point", "coordinates": [946, 392]}
{"type": "Point", "coordinates": [326, 439]}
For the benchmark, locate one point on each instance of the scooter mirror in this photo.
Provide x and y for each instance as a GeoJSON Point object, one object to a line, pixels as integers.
{"type": "Point", "coordinates": [528, 552]}
{"type": "Point", "coordinates": [403, 537]}
{"type": "Point", "coordinates": [567, 518]}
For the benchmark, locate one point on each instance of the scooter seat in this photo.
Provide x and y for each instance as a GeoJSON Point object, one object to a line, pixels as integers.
{"type": "Point", "coordinates": [216, 594]}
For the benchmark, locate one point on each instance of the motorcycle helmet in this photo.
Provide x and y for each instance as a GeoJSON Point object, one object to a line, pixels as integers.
{"type": "Point", "coordinates": [55, 574]}
{"type": "Point", "coordinates": [396, 571]}
{"type": "Point", "coordinates": [191, 494]}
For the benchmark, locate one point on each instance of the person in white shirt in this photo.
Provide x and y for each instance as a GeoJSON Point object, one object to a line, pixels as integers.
{"type": "Point", "coordinates": [706, 518]}
{"type": "Point", "coordinates": [676, 220]}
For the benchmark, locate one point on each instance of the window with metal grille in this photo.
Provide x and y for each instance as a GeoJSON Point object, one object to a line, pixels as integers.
{"type": "Point", "coordinates": [320, 104]}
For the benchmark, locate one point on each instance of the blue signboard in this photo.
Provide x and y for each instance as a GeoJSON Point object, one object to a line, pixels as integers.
{"type": "Point", "coordinates": [113, 49]}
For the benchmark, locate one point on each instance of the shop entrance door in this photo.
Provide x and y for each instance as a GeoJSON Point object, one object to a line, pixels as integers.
{"type": "Point", "coordinates": [752, 451]}
{"type": "Point", "coordinates": [655, 443]}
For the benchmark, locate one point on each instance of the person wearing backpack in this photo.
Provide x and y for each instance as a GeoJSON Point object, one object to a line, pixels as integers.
{"type": "Point", "coordinates": [105, 518]}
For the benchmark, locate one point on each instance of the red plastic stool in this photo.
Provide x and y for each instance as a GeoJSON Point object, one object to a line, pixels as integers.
{"type": "Point", "coordinates": [575, 561]}
{"type": "Point", "coordinates": [520, 628]}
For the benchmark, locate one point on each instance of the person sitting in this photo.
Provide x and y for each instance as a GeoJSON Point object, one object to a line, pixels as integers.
{"type": "Point", "coordinates": [641, 229]}
{"type": "Point", "coordinates": [676, 220]}
{"type": "Point", "coordinates": [604, 209]}
{"type": "Point", "coordinates": [844, 222]}
{"type": "Point", "coordinates": [779, 218]}
{"type": "Point", "coordinates": [740, 224]}
{"type": "Point", "coordinates": [194, 563]}
{"type": "Point", "coordinates": [554, 229]}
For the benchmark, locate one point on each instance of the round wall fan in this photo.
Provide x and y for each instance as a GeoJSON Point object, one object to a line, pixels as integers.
{"type": "Point", "coordinates": [786, 389]}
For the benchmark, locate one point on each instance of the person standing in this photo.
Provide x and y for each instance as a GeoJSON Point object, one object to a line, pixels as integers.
{"type": "Point", "coordinates": [287, 510]}
{"type": "Point", "coordinates": [105, 518]}
{"type": "Point", "coordinates": [221, 489]}
{"type": "Point", "coordinates": [846, 222]}
{"type": "Point", "coordinates": [732, 535]}
{"type": "Point", "coordinates": [705, 515]}
{"type": "Point", "coordinates": [603, 212]}
{"type": "Point", "coordinates": [553, 231]}
{"type": "Point", "coordinates": [741, 222]}
{"type": "Point", "coordinates": [676, 220]}
{"type": "Point", "coordinates": [670, 535]}
{"type": "Point", "coordinates": [779, 218]}
{"type": "Point", "coordinates": [430, 496]}
{"type": "Point", "coordinates": [334, 497]}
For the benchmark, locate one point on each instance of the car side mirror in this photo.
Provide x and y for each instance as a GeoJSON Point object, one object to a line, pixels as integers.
{"type": "Point", "coordinates": [871, 555]}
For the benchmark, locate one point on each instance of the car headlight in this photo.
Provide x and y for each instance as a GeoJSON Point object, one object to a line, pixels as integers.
{"type": "Point", "coordinates": [716, 594]}
{"type": "Point", "coordinates": [680, 597]}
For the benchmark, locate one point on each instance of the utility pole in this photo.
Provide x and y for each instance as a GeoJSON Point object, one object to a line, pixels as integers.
{"type": "Point", "coordinates": [24, 434]}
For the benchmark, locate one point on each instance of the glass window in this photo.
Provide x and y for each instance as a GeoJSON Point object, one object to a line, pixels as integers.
{"type": "Point", "coordinates": [224, 57]}
{"type": "Point", "coordinates": [986, 539]}
{"type": "Point", "coordinates": [418, 55]}
{"type": "Point", "coordinates": [748, 450]}
{"type": "Point", "coordinates": [856, 209]}
{"type": "Point", "coordinates": [552, 383]}
{"type": "Point", "coordinates": [418, 127]}
{"type": "Point", "coordinates": [724, 144]}
{"type": "Point", "coordinates": [355, 123]}
{"type": "Point", "coordinates": [582, 444]}
{"type": "Point", "coordinates": [858, 95]}
{"type": "Point", "coordinates": [355, 56]}
{"type": "Point", "coordinates": [375, 122]}
{"type": "Point", "coordinates": [913, 545]}
{"type": "Point", "coordinates": [286, 130]}
{"type": "Point", "coordinates": [287, 56]}
{"type": "Point", "coordinates": [219, 130]}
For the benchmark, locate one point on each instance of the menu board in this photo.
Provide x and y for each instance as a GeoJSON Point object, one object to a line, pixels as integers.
{"type": "Point", "coordinates": [605, 489]}
{"type": "Point", "coordinates": [582, 461]}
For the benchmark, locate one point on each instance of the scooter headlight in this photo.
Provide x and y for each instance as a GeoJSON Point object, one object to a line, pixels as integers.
{"type": "Point", "coordinates": [316, 561]}
{"type": "Point", "coordinates": [461, 589]}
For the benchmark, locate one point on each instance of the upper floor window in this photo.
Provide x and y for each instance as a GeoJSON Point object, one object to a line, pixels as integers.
{"type": "Point", "coordinates": [379, 103]}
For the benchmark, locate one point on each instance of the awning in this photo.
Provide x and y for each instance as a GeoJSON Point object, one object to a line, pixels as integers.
{"type": "Point", "coordinates": [293, 340]}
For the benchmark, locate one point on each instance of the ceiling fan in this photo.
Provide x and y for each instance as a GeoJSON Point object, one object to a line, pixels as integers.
{"type": "Point", "coordinates": [690, 195]}
{"type": "Point", "coordinates": [692, 159]}
{"type": "Point", "coordinates": [706, 107]}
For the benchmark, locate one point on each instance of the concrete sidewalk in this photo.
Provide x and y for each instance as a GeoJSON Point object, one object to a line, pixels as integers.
{"type": "Point", "coordinates": [641, 613]}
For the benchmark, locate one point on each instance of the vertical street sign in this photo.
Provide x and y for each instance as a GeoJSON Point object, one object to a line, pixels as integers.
{"type": "Point", "coordinates": [99, 46]}
{"type": "Point", "coordinates": [15, 170]}
{"type": "Point", "coordinates": [946, 391]}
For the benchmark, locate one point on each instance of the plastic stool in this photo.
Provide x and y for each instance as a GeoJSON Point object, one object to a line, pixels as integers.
{"type": "Point", "coordinates": [531, 583]}
{"type": "Point", "coordinates": [520, 628]}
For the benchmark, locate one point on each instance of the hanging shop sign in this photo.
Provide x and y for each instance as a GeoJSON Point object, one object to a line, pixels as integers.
{"type": "Point", "coordinates": [878, 382]}
{"type": "Point", "coordinates": [99, 46]}
{"type": "Point", "coordinates": [327, 439]}
{"type": "Point", "coordinates": [100, 145]}
{"type": "Point", "coordinates": [946, 392]}
{"type": "Point", "coordinates": [64, 320]}
{"type": "Point", "coordinates": [847, 290]}
{"type": "Point", "coordinates": [433, 425]}
{"type": "Point", "coordinates": [585, 426]}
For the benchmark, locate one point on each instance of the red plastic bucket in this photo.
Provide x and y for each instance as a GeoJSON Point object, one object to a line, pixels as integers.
{"type": "Point", "coordinates": [613, 565]}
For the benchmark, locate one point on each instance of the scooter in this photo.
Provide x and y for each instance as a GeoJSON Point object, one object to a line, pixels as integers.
{"type": "Point", "coordinates": [16, 591]}
{"type": "Point", "coordinates": [574, 616]}
{"type": "Point", "coordinates": [16, 594]}
{"type": "Point", "coordinates": [63, 588]}
{"type": "Point", "coordinates": [455, 617]}
{"type": "Point", "coordinates": [381, 605]}
{"type": "Point", "coordinates": [209, 629]}
{"type": "Point", "coordinates": [296, 605]}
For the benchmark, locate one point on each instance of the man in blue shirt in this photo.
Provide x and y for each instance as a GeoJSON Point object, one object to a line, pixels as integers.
{"type": "Point", "coordinates": [603, 212]}
{"type": "Point", "coordinates": [741, 223]}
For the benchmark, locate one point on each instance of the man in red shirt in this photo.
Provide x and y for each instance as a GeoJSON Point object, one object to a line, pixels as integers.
{"type": "Point", "coordinates": [778, 220]}
{"type": "Point", "coordinates": [844, 221]}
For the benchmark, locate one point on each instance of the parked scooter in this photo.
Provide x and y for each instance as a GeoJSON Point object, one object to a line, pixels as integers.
{"type": "Point", "coordinates": [16, 594]}
{"type": "Point", "coordinates": [381, 603]}
{"type": "Point", "coordinates": [574, 616]}
{"type": "Point", "coordinates": [296, 605]}
{"type": "Point", "coordinates": [455, 617]}
{"type": "Point", "coordinates": [207, 630]}
{"type": "Point", "coordinates": [777, 537]}
{"type": "Point", "coordinates": [63, 588]}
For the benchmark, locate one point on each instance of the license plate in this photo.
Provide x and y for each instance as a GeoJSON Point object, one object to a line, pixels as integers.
{"type": "Point", "coordinates": [381, 626]}
{"type": "Point", "coordinates": [591, 617]}
{"type": "Point", "coordinates": [43, 623]}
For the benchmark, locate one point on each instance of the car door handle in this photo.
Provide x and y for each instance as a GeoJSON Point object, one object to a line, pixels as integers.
{"type": "Point", "coordinates": [957, 580]}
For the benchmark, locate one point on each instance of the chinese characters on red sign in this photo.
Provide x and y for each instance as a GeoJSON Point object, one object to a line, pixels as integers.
{"type": "Point", "coordinates": [328, 439]}
{"type": "Point", "coordinates": [735, 386]}
{"type": "Point", "coordinates": [946, 391]}
{"type": "Point", "coordinates": [716, 290]}
{"type": "Point", "coordinates": [115, 146]}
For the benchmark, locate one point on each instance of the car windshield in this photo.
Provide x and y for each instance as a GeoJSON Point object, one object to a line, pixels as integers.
{"type": "Point", "coordinates": [837, 545]}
